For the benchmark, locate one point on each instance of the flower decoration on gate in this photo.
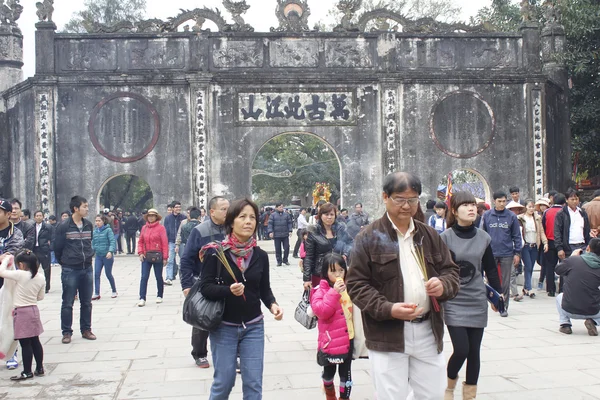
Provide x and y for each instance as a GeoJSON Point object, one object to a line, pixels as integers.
{"type": "Point", "coordinates": [322, 191]}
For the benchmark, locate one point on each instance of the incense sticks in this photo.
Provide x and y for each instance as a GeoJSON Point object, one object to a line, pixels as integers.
{"type": "Point", "coordinates": [419, 255]}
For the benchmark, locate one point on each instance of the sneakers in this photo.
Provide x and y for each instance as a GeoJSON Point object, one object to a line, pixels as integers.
{"type": "Point", "coordinates": [591, 327]}
{"type": "Point", "coordinates": [540, 285]}
{"type": "Point", "coordinates": [504, 314]}
{"type": "Point", "coordinates": [12, 363]}
{"type": "Point", "coordinates": [159, 300]}
{"type": "Point", "coordinates": [141, 303]}
{"type": "Point", "coordinates": [168, 282]}
{"type": "Point", "coordinates": [88, 335]}
{"type": "Point", "coordinates": [202, 362]}
{"type": "Point", "coordinates": [114, 295]}
{"type": "Point", "coordinates": [566, 329]}
{"type": "Point", "coordinates": [96, 297]}
{"type": "Point", "coordinates": [66, 338]}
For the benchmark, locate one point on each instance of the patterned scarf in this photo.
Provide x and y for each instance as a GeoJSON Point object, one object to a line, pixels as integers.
{"type": "Point", "coordinates": [241, 250]}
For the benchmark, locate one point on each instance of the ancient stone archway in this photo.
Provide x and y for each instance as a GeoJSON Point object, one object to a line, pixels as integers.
{"type": "Point", "coordinates": [132, 193]}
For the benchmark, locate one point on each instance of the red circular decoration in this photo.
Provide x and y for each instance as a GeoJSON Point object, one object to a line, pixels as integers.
{"type": "Point", "coordinates": [96, 142]}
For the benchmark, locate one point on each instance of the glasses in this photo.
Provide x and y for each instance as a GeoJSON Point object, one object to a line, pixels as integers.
{"type": "Point", "coordinates": [401, 201]}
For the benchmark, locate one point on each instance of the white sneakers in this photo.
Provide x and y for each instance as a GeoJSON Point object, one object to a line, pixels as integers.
{"type": "Point", "coordinates": [158, 300]}
{"type": "Point", "coordinates": [168, 282]}
{"type": "Point", "coordinates": [141, 303]}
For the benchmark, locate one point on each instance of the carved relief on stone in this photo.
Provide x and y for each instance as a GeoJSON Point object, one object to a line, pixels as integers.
{"type": "Point", "coordinates": [294, 53]}
{"type": "Point", "coordinates": [10, 12]}
{"type": "Point", "coordinates": [45, 10]}
{"type": "Point", "coordinates": [157, 53]}
{"type": "Point", "coordinates": [391, 128]}
{"type": "Point", "coordinates": [348, 9]}
{"type": "Point", "coordinates": [495, 53]}
{"type": "Point", "coordinates": [88, 55]}
{"type": "Point", "coordinates": [292, 16]}
{"type": "Point", "coordinates": [238, 54]}
{"type": "Point", "coordinates": [348, 53]}
{"type": "Point", "coordinates": [539, 142]}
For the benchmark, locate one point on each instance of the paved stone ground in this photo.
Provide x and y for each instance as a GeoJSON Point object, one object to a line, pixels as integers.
{"type": "Point", "coordinates": [143, 353]}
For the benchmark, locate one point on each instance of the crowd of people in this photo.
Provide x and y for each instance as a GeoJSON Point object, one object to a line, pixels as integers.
{"type": "Point", "coordinates": [396, 273]}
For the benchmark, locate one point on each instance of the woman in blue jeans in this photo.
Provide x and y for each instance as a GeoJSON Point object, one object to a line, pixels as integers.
{"type": "Point", "coordinates": [533, 237]}
{"type": "Point", "coordinates": [242, 329]}
{"type": "Point", "coordinates": [104, 244]}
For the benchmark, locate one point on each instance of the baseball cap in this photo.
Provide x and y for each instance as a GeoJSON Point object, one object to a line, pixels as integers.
{"type": "Point", "coordinates": [106, 211]}
{"type": "Point", "coordinates": [5, 205]}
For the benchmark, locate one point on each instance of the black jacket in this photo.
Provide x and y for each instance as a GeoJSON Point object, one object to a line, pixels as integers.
{"type": "Point", "coordinates": [28, 231]}
{"type": "Point", "coordinates": [562, 225]}
{"type": "Point", "coordinates": [280, 224]}
{"type": "Point", "coordinates": [201, 235]}
{"type": "Point", "coordinates": [581, 294]}
{"type": "Point", "coordinates": [72, 247]}
{"type": "Point", "coordinates": [317, 245]}
{"type": "Point", "coordinates": [44, 238]}
{"type": "Point", "coordinates": [256, 281]}
{"type": "Point", "coordinates": [131, 225]}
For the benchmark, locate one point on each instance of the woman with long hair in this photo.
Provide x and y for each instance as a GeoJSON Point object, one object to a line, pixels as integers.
{"type": "Point", "coordinates": [326, 236]}
{"type": "Point", "coordinates": [466, 315]}
{"type": "Point", "coordinates": [534, 237]}
{"type": "Point", "coordinates": [153, 249]}
{"type": "Point", "coordinates": [242, 330]}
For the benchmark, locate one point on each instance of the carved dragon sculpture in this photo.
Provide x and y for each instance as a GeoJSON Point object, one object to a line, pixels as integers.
{"type": "Point", "coordinates": [199, 15]}
{"type": "Point", "coordinates": [348, 8]}
{"type": "Point", "coordinates": [10, 12]}
{"type": "Point", "coordinates": [236, 9]}
{"type": "Point", "coordinates": [45, 10]}
{"type": "Point", "coordinates": [422, 25]}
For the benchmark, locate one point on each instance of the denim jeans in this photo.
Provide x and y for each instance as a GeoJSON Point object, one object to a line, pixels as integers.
{"type": "Point", "coordinates": [108, 265]}
{"type": "Point", "coordinates": [170, 263]}
{"type": "Point", "coordinates": [53, 258]}
{"type": "Point", "coordinates": [225, 342]}
{"type": "Point", "coordinates": [529, 255]}
{"type": "Point", "coordinates": [158, 268]}
{"type": "Point", "coordinates": [76, 280]}
{"type": "Point", "coordinates": [564, 317]}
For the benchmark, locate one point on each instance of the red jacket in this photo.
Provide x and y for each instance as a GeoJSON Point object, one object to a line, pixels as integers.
{"type": "Point", "coordinates": [333, 331]}
{"type": "Point", "coordinates": [153, 238]}
{"type": "Point", "coordinates": [548, 220]}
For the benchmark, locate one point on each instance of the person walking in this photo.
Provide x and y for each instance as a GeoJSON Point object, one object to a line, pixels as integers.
{"type": "Point", "coordinates": [550, 258]}
{"type": "Point", "coordinates": [503, 227]}
{"type": "Point", "coordinates": [27, 324]}
{"type": "Point", "coordinates": [280, 227]}
{"type": "Point", "coordinates": [42, 245]}
{"type": "Point", "coordinates": [105, 246]}
{"type": "Point", "coordinates": [357, 220]}
{"type": "Point", "coordinates": [171, 223]}
{"type": "Point", "coordinates": [331, 303]}
{"type": "Point", "coordinates": [326, 236]}
{"type": "Point", "coordinates": [540, 208]}
{"type": "Point", "coordinates": [131, 228]}
{"type": "Point", "coordinates": [211, 230]}
{"type": "Point", "coordinates": [571, 227]}
{"type": "Point", "coordinates": [534, 238]}
{"type": "Point", "coordinates": [117, 225]}
{"type": "Point", "coordinates": [185, 229]}
{"type": "Point", "coordinates": [242, 330]}
{"type": "Point", "coordinates": [400, 271]}
{"type": "Point", "coordinates": [153, 250]}
{"type": "Point", "coordinates": [466, 315]}
{"type": "Point", "coordinates": [73, 248]}
{"type": "Point", "coordinates": [302, 225]}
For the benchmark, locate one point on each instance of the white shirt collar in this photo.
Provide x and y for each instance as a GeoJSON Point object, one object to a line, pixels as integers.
{"type": "Point", "coordinates": [411, 227]}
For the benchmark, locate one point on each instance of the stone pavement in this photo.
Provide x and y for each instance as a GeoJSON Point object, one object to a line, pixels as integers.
{"type": "Point", "coordinates": [144, 353]}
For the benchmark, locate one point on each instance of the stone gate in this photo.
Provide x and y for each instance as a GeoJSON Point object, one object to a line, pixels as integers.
{"type": "Point", "coordinates": [187, 109]}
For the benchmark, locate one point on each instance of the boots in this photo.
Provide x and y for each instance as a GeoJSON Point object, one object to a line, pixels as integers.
{"type": "Point", "coordinates": [469, 391]}
{"type": "Point", "coordinates": [449, 394]}
{"type": "Point", "coordinates": [330, 392]}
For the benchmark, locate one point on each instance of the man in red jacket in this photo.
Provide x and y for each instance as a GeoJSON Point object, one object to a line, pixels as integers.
{"type": "Point", "coordinates": [550, 258]}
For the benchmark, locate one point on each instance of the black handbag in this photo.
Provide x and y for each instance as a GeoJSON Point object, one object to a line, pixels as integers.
{"type": "Point", "coordinates": [302, 315]}
{"type": "Point", "coordinates": [154, 257]}
{"type": "Point", "coordinates": [200, 312]}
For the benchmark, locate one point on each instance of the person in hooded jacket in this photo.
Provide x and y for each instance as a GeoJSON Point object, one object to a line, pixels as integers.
{"type": "Point", "coordinates": [326, 236]}
{"type": "Point", "coordinates": [105, 246]}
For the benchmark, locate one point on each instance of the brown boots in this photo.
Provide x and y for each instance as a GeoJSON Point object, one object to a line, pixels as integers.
{"type": "Point", "coordinates": [469, 391]}
{"type": "Point", "coordinates": [330, 392]}
{"type": "Point", "coordinates": [449, 394]}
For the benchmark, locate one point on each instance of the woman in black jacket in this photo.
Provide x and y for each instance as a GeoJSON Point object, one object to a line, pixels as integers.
{"type": "Point", "coordinates": [324, 237]}
{"type": "Point", "coordinates": [242, 330]}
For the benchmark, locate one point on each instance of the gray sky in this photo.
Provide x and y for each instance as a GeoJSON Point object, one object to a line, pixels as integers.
{"type": "Point", "coordinates": [261, 15]}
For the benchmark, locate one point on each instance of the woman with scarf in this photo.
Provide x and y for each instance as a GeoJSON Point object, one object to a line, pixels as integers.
{"type": "Point", "coordinates": [324, 237]}
{"type": "Point", "coordinates": [242, 329]}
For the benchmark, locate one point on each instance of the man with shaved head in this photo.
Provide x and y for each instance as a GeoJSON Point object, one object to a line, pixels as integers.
{"type": "Point", "coordinates": [400, 271]}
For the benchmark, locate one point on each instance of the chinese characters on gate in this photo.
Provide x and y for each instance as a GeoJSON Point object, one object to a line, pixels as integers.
{"type": "Point", "coordinates": [538, 156]}
{"type": "Point", "coordinates": [296, 108]}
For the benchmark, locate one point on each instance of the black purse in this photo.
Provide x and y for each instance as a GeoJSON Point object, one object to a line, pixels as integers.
{"type": "Point", "coordinates": [200, 312]}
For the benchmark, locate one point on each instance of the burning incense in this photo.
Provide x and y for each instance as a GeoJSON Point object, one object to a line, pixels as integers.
{"type": "Point", "coordinates": [419, 255]}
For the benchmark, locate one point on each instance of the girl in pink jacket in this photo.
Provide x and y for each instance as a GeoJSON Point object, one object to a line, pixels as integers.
{"type": "Point", "coordinates": [331, 304]}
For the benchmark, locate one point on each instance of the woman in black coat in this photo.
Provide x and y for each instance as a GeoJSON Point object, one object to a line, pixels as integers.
{"type": "Point", "coordinates": [325, 237]}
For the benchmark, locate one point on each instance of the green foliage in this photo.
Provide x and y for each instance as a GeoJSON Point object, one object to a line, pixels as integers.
{"type": "Point", "coordinates": [107, 12]}
{"type": "Point", "coordinates": [581, 19]}
{"type": "Point", "coordinates": [128, 192]}
{"type": "Point", "coordinates": [308, 159]}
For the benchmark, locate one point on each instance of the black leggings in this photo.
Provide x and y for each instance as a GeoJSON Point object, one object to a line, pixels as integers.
{"type": "Point", "coordinates": [467, 346]}
{"type": "Point", "coordinates": [345, 371]}
{"type": "Point", "coordinates": [32, 347]}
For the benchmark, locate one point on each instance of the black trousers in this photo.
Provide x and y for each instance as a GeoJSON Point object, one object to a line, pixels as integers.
{"type": "Point", "coordinates": [345, 372]}
{"type": "Point", "coordinates": [285, 242]}
{"type": "Point", "coordinates": [199, 343]}
{"type": "Point", "coordinates": [31, 348]}
{"type": "Point", "coordinates": [467, 347]}
{"type": "Point", "coordinates": [130, 237]}
{"type": "Point", "coordinates": [119, 243]}
{"type": "Point", "coordinates": [44, 258]}
{"type": "Point", "coordinates": [298, 243]}
{"type": "Point", "coordinates": [550, 259]}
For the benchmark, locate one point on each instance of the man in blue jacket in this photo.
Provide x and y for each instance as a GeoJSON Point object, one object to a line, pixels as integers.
{"type": "Point", "coordinates": [171, 223]}
{"type": "Point", "coordinates": [280, 227]}
{"type": "Point", "coordinates": [503, 227]}
{"type": "Point", "coordinates": [208, 231]}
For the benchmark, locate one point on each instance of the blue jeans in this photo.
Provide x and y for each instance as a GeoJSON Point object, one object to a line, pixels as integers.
{"type": "Point", "coordinates": [171, 262]}
{"type": "Point", "coordinates": [76, 280]}
{"type": "Point", "coordinates": [158, 268]}
{"type": "Point", "coordinates": [225, 342]}
{"type": "Point", "coordinates": [53, 258]}
{"type": "Point", "coordinates": [529, 255]}
{"type": "Point", "coordinates": [564, 317]}
{"type": "Point", "coordinates": [108, 265]}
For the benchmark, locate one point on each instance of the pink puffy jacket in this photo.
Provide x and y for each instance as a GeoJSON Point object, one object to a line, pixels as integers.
{"type": "Point", "coordinates": [333, 331]}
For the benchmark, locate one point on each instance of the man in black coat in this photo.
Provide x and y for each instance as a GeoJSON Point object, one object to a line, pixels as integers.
{"type": "Point", "coordinates": [43, 244]}
{"type": "Point", "coordinates": [280, 227]}
{"type": "Point", "coordinates": [131, 228]}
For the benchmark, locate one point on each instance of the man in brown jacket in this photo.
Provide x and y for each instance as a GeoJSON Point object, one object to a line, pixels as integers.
{"type": "Point", "coordinates": [592, 208]}
{"type": "Point", "coordinates": [400, 271]}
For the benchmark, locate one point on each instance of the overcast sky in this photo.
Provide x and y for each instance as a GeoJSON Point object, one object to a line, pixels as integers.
{"type": "Point", "coordinates": [261, 15]}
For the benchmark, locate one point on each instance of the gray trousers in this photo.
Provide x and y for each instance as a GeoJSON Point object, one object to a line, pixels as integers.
{"type": "Point", "coordinates": [507, 270]}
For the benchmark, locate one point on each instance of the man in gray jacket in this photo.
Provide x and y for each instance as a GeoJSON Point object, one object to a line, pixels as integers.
{"type": "Point", "coordinates": [280, 227]}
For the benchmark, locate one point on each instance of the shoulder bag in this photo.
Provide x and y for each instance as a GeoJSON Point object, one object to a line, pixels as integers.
{"type": "Point", "coordinates": [153, 256]}
{"type": "Point", "coordinates": [200, 312]}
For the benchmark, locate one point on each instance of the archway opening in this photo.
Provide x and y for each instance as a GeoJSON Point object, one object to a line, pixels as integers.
{"type": "Point", "coordinates": [291, 168]}
{"type": "Point", "coordinates": [127, 192]}
{"type": "Point", "coordinates": [467, 180]}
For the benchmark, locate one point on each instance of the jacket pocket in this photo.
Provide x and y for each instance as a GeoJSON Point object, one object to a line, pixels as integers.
{"type": "Point", "coordinates": [433, 261]}
{"type": "Point", "coordinates": [385, 267]}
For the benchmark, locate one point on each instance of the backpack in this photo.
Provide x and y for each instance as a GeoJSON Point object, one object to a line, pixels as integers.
{"type": "Point", "coordinates": [187, 229]}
